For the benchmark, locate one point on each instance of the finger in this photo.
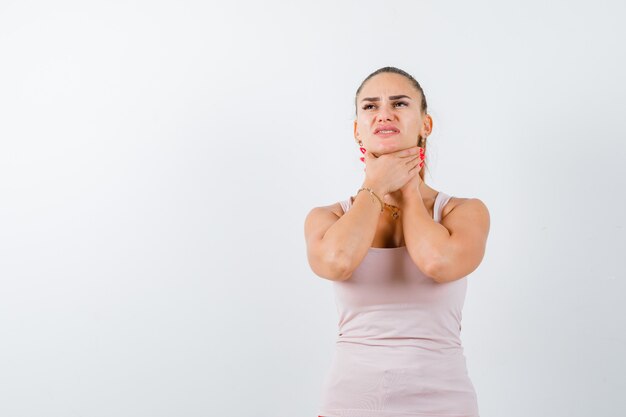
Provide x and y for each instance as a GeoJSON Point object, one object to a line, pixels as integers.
{"type": "Point", "coordinates": [418, 162]}
{"type": "Point", "coordinates": [414, 161]}
{"type": "Point", "coordinates": [414, 150]}
{"type": "Point", "coordinates": [416, 167]}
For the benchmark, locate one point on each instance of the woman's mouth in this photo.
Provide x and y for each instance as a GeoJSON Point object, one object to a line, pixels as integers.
{"type": "Point", "coordinates": [386, 133]}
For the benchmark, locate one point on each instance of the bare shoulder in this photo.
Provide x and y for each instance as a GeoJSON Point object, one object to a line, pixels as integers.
{"type": "Point", "coordinates": [473, 206]}
{"type": "Point", "coordinates": [319, 219]}
{"type": "Point", "coordinates": [471, 203]}
{"type": "Point", "coordinates": [325, 214]}
{"type": "Point", "coordinates": [334, 208]}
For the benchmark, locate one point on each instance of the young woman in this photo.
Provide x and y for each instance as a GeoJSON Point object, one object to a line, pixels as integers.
{"type": "Point", "coordinates": [398, 253]}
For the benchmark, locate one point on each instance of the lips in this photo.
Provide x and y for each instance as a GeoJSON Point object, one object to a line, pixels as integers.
{"type": "Point", "coordinates": [386, 127]}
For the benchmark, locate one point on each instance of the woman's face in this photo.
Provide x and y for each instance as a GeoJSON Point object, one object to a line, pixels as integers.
{"type": "Point", "coordinates": [389, 100]}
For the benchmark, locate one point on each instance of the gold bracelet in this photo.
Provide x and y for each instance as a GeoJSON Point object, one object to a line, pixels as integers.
{"type": "Point", "coordinates": [382, 206]}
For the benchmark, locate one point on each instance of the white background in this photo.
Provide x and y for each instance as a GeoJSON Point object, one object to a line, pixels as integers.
{"type": "Point", "coordinates": [157, 161]}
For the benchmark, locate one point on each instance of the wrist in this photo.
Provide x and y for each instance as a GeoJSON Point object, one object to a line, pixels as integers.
{"type": "Point", "coordinates": [380, 191]}
{"type": "Point", "coordinates": [411, 195]}
{"type": "Point", "coordinates": [375, 198]}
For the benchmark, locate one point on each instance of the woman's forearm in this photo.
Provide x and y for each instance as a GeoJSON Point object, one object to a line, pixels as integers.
{"type": "Point", "coordinates": [350, 237]}
{"type": "Point", "coordinates": [423, 236]}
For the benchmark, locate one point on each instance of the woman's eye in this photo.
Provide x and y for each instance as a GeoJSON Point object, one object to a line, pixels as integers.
{"type": "Point", "coordinates": [368, 106]}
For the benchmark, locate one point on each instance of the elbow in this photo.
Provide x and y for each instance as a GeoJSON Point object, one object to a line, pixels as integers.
{"type": "Point", "coordinates": [438, 268]}
{"type": "Point", "coordinates": [430, 265]}
{"type": "Point", "coordinates": [339, 267]}
{"type": "Point", "coordinates": [433, 271]}
{"type": "Point", "coordinates": [333, 266]}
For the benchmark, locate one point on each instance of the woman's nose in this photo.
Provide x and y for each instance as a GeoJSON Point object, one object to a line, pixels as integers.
{"type": "Point", "coordinates": [384, 114]}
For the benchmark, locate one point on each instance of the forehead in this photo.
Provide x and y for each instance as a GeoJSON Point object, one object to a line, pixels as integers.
{"type": "Point", "coordinates": [386, 84]}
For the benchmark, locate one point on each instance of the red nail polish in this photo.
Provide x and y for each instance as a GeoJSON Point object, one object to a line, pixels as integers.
{"type": "Point", "coordinates": [362, 159]}
{"type": "Point", "coordinates": [362, 150]}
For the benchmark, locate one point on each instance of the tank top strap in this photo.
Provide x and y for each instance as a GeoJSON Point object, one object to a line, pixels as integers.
{"type": "Point", "coordinates": [346, 204]}
{"type": "Point", "coordinates": [440, 201]}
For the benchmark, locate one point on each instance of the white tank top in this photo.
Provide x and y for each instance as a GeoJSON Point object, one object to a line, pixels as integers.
{"type": "Point", "coordinates": [398, 352]}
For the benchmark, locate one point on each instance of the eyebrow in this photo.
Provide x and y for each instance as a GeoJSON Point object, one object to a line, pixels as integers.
{"type": "Point", "coordinates": [390, 98]}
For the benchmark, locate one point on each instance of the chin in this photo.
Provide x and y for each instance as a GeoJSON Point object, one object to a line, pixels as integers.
{"type": "Point", "coordinates": [390, 146]}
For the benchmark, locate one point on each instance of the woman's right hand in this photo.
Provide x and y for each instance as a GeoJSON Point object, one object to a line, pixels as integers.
{"type": "Point", "coordinates": [392, 170]}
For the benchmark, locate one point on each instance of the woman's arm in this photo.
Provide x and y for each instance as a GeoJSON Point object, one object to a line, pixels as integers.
{"type": "Point", "coordinates": [336, 247]}
{"type": "Point", "coordinates": [448, 250]}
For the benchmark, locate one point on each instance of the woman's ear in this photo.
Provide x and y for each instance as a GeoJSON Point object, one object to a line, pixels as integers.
{"type": "Point", "coordinates": [428, 125]}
